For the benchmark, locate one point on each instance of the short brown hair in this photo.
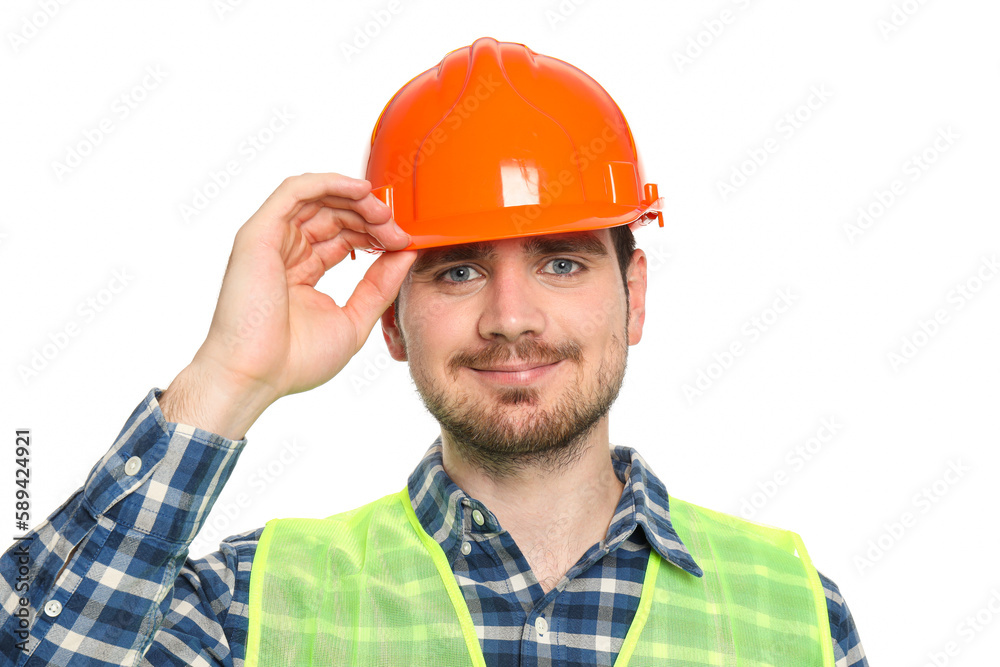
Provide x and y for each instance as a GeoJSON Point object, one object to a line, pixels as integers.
{"type": "Point", "coordinates": [623, 240]}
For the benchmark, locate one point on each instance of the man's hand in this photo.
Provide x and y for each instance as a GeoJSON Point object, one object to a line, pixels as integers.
{"type": "Point", "coordinates": [273, 333]}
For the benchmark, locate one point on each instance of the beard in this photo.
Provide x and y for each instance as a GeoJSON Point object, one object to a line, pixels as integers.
{"type": "Point", "coordinates": [510, 431]}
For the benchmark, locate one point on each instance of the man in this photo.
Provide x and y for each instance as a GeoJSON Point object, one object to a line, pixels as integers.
{"type": "Point", "coordinates": [502, 185]}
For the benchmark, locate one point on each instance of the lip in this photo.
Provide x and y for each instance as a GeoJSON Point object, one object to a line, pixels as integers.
{"type": "Point", "coordinates": [517, 374]}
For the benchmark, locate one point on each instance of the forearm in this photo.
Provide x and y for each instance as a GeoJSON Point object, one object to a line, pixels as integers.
{"type": "Point", "coordinates": [109, 556]}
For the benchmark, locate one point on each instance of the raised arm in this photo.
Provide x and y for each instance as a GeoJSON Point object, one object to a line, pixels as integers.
{"type": "Point", "coordinates": [94, 583]}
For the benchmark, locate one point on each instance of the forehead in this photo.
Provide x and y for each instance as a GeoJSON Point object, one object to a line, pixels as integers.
{"type": "Point", "coordinates": [588, 242]}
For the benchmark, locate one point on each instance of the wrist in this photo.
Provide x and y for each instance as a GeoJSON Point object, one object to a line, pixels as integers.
{"type": "Point", "coordinates": [206, 396]}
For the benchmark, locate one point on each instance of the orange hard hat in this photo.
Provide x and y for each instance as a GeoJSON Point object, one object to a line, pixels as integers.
{"type": "Point", "coordinates": [497, 141]}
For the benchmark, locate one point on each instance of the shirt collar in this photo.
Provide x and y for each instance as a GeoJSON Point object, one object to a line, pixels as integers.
{"type": "Point", "coordinates": [447, 513]}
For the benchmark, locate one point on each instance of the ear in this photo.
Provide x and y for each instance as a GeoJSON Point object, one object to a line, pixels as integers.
{"type": "Point", "coordinates": [392, 335]}
{"type": "Point", "coordinates": [636, 295]}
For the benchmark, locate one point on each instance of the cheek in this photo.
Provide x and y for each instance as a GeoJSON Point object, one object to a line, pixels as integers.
{"type": "Point", "coordinates": [594, 320]}
{"type": "Point", "coordinates": [433, 334]}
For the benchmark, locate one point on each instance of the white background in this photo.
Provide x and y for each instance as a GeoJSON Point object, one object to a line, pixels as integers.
{"type": "Point", "coordinates": [888, 90]}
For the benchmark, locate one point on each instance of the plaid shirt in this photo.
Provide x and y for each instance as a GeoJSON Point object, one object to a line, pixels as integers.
{"type": "Point", "coordinates": [130, 595]}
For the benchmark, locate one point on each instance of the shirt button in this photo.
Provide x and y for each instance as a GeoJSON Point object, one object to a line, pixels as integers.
{"type": "Point", "coordinates": [133, 465]}
{"type": "Point", "coordinates": [53, 607]}
{"type": "Point", "coordinates": [541, 626]}
{"type": "Point", "coordinates": [477, 516]}
{"type": "Point", "coordinates": [466, 548]}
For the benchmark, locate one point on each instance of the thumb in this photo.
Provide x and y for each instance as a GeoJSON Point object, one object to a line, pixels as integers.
{"type": "Point", "coordinates": [377, 290]}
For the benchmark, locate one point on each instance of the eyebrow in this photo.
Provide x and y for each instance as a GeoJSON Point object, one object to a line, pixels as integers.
{"type": "Point", "coordinates": [456, 253]}
{"type": "Point", "coordinates": [584, 243]}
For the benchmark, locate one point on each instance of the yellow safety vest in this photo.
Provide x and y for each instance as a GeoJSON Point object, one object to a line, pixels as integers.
{"type": "Point", "coordinates": [369, 587]}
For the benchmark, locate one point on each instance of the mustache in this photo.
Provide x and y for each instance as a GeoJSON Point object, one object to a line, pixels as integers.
{"type": "Point", "coordinates": [527, 350]}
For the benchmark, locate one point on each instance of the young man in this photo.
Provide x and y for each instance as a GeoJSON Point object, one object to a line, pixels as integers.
{"type": "Point", "coordinates": [502, 185]}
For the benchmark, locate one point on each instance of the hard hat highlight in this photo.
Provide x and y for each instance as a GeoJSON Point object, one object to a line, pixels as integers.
{"type": "Point", "coordinates": [497, 141]}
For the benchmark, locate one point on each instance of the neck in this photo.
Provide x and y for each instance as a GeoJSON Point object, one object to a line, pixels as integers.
{"type": "Point", "coordinates": [555, 508]}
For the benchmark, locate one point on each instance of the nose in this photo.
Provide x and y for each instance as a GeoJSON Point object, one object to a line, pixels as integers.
{"type": "Point", "coordinates": [512, 304]}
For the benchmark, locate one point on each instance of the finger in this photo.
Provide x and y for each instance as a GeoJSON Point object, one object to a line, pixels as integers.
{"type": "Point", "coordinates": [376, 291]}
{"type": "Point", "coordinates": [328, 222]}
{"type": "Point", "coordinates": [370, 206]}
{"type": "Point", "coordinates": [296, 191]}
{"type": "Point", "coordinates": [375, 212]}
{"type": "Point", "coordinates": [332, 251]}
{"type": "Point", "coordinates": [324, 255]}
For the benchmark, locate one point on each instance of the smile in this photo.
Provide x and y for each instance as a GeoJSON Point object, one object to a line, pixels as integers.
{"type": "Point", "coordinates": [520, 376]}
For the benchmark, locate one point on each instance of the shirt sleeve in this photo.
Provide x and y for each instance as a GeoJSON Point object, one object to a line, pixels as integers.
{"type": "Point", "coordinates": [847, 649]}
{"type": "Point", "coordinates": [106, 576]}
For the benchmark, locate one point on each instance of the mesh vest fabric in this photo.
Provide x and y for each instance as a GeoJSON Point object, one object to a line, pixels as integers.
{"type": "Point", "coordinates": [370, 587]}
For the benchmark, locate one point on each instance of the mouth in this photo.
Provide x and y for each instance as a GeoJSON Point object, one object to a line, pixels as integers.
{"type": "Point", "coordinates": [516, 374]}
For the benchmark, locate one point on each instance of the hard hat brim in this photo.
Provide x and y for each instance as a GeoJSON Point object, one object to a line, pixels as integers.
{"type": "Point", "coordinates": [518, 221]}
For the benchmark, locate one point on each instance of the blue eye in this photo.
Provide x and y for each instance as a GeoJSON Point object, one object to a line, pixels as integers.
{"type": "Point", "coordinates": [460, 272]}
{"type": "Point", "coordinates": [563, 263]}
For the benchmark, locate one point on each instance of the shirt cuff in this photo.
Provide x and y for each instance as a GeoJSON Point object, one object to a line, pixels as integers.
{"type": "Point", "coordinates": [160, 477]}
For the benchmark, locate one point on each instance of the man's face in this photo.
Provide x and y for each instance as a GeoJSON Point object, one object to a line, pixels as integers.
{"type": "Point", "coordinates": [518, 347]}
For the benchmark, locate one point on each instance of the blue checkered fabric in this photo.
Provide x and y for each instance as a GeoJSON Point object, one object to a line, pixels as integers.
{"type": "Point", "coordinates": [109, 580]}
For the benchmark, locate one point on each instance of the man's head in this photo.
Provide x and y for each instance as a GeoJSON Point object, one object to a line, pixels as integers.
{"type": "Point", "coordinates": [567, 304]}
{"type": "Point", "coordinates": [499, 162]}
